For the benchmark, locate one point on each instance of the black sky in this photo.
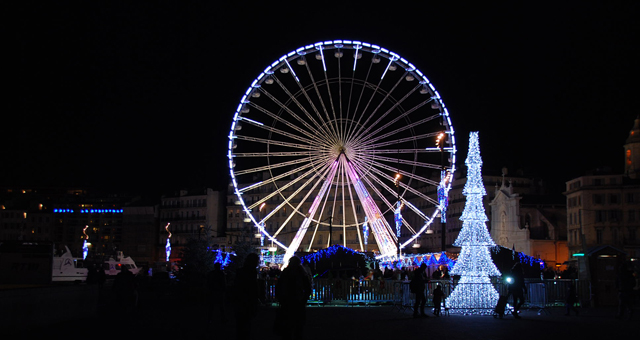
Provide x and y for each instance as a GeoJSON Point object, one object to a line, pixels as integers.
{"type": "Point", "coordinates": [141, 95]}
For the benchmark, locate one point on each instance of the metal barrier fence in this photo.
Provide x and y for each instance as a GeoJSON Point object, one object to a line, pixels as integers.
{"type": "Point", "coordinates": [540, 293]}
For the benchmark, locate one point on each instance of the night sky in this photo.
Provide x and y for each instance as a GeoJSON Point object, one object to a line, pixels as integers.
{"type": "Point", "coordinates": [140, 96]}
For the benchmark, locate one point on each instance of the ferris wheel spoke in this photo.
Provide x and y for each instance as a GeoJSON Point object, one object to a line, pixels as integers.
{"type": "Point", "coordinates": [313, 105]}
{"type": "Point", "coordinates": [318, 222]}
{"type": "Point", "coordinates": [354, 123]}
{"type": "Point", "coordinates": [287, 199]}
{"type": "Point", "coordinates": [337, 113]}
{"type": "Point", "coordinates": [406, 173]}
{"type": "Point", "coordinates": [284, 121]}
{"type": "Point", "coordinates": [277, 131]}
{"type": "Point", "coordinates": [276, 142]}
{"type": "Point", "coordinates": [375, 147]}
{"type": "Point", "coordinates": [274, 166]}
{"type": "Point", "coordinates": [293, 98]}
{"type": "Point", "coordinates": [333, 110]}
{"type": "Point", "coordinates": [276, 154]}
{"type": "Point", "coordinates": [355, 214]}
{"type": "Point", "coordinates": [393, 108]}
{"type": "Point", "coordinates": [404, 127]}
{"type": "Point", "coordinates": [389, 204]}
{"type": "Point", "coordinates": [297, 240]}
{"type": "Point", "coordinates": [281, 176]}
{"type": "Point", "coordinates": [395, 151]}
{"type": "Point", "coordinates": [403, 186]}
{"type": "Point", "coordinates": [417, 211]}
{"type": "Point", "coordinates": [387, 95]}
{"type": "Point", "coordinates": [406, 162]}
{"type": "Point", "coordinates": [374, 90]}
{"type": "Point", "coordinates": [376, 165]}
{"type": "Point", "coordinates": [384, 235]}
{"type": "Point", "coordinates": [375, 189]}
{"type": "Point", "coordinates": [333, 132]}
{"type": "Point", "coordinates": [281, 189]}
{"type": "Point", "coordinates": [372, 187]}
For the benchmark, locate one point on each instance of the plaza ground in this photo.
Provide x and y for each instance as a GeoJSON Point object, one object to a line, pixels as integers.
{"type": "Point", "coordinates": [184, 316]}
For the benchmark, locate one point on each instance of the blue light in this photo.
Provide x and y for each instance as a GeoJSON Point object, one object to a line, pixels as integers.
{"type": "Point", "coordinates": [60, 211]}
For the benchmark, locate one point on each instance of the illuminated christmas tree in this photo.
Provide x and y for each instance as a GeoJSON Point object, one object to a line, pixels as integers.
{"type": "Point", "coordinates": [474, 293]}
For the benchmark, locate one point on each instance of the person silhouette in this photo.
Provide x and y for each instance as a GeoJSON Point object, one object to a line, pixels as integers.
{"type": "Point", "coordinates": [216, 285]}
{"type": "Point", "coordinates": [125, 287]}
{"type": "Point", "coordinates": [572, 298]}
{"type": "Point", "coordinates": [101, 277]}
{"type": "Point", "coordinates": [246, 295]}
{"type": "Point", "coordinates": [292, 291]}
{"type": "Point", "coordinates": [438, 294]}
{"type": "Point", "coordinates": [418, 285]}
{"type": "Point", "coordinates": [517, 288]}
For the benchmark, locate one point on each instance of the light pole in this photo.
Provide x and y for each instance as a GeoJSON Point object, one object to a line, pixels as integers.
{"type": "Point", "coordinates": [440, 144]}
{"type": "Point", "coordinates": [397, 215]}
{"type": "Point", "coordinates": [330, 218]}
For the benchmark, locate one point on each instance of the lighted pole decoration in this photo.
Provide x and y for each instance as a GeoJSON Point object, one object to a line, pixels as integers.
{"type": "Point", "coordinates": [474, 293]}
{"type": "Point", "coordinates": [443, 190]}
{"type": "Point", "coordinates": [365, 232]}
{"type": "Point", "coordinates": [167, 247]}
{"type": "Point", "coordinates": [260, 235]}
{"type": "Point", "coordinates": [85, 244]}
{"type": "Point", "coordinates": [397, 214]}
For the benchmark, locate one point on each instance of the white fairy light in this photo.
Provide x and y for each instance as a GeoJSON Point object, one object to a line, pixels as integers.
{"type": "Point", "coordinates": [474, 293]}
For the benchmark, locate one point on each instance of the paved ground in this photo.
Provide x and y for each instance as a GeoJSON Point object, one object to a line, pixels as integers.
{"type": "Point", "coordinates": [184, 316]}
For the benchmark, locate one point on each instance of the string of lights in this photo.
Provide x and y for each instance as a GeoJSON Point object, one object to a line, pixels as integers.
{"type": "Point", "coordinates": [474, 292]}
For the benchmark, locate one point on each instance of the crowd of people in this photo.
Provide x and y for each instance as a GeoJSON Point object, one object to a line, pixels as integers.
{"type": "Point", "coordinates": [238, 297]}
{"type": "Point", "coordinates": [293, 289]}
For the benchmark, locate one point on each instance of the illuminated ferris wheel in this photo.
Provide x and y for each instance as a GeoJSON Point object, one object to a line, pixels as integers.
{"type": "Point", "coordinates": [341, 142]}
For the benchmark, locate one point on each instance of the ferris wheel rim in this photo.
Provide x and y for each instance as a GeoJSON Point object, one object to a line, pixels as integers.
{"type": "Point", "coordinates": [326, 46]}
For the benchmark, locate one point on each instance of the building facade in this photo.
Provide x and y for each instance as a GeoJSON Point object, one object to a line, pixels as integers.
{"type": "Point", "coordinates": [518, 183]}
{"type": "Point", "coordinates": [27, 222]}
{"type": "Point", "coordinates": [190, 213]}
{"type": "Point", "coordinates": [531, 224]}
{"type": "Point", "coordinates": [603, 208]}
{"type": "Point", "coordinates": [603, 221]}
{"type": "Point", "coordinates": [64, 216]}
{"type": "Point", "coordinates": [140, 232]}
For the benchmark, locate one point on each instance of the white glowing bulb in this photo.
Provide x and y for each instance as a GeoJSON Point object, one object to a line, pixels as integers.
{"type": "Point", "coordinates": [474, 293]}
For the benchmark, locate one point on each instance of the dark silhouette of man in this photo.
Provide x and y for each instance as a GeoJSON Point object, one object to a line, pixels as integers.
{"type": "Point", "coordinates": [438, 294]}
{"type": "Point", "coordinates": [292, 290]}
{"type": "Point", "coordinates": [125, 287]}
{"type": "Point", "coordinates": [246, 295]}
{"type": "Point", "coordinates": [516, 288]}
{"type": "Point", "coordinates": [419, 284]}
{"type": "Point", "coordinates": [572, 298]}
{"type": "Point", "coordinates": [217, 285]}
